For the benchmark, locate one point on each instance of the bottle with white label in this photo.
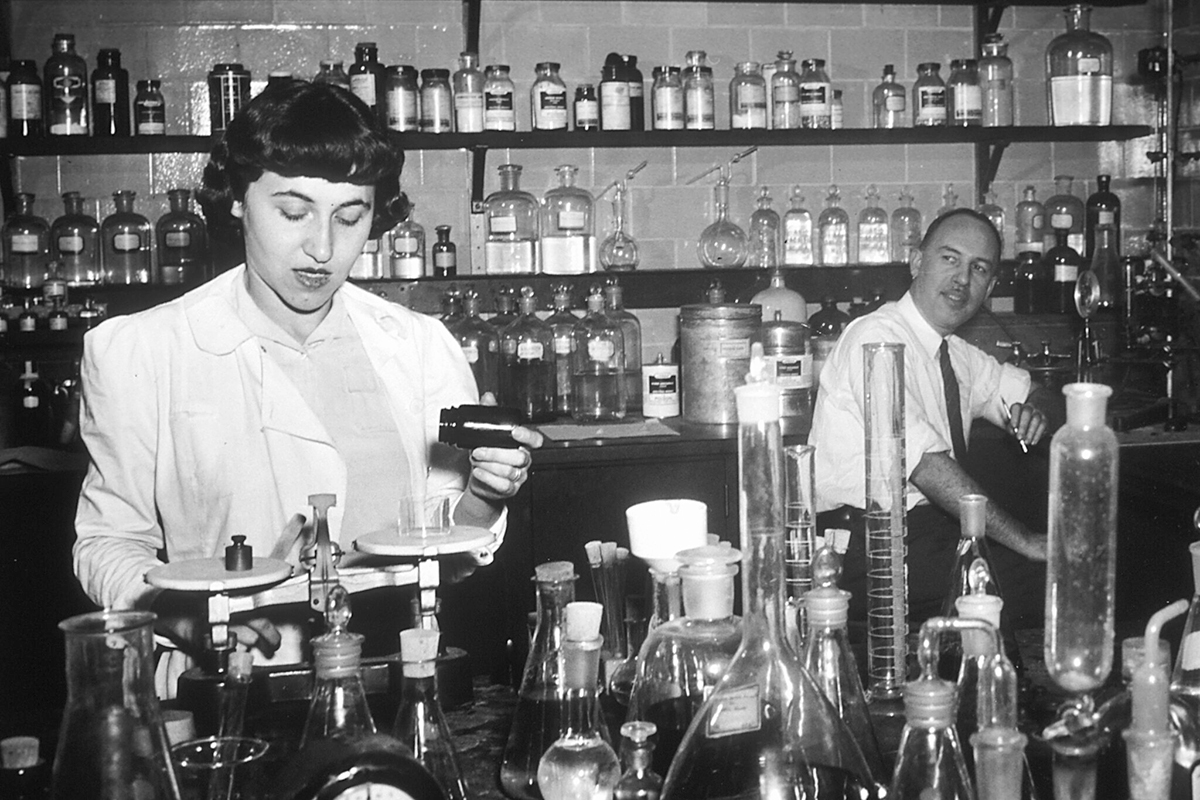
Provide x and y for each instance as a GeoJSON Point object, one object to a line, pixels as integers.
{"type": "Point", "coordinates": [1065, 210]}
{"type": "Point", "coordinates": [873, 244]}
{"type": "Point", "coordinates": [182, 241]}
{"type": "Point", "coordinates": [889, 101]}
{"type": "Point", "coordinates": [480, 342]}
{"type": "Point", "coordinates": [929, 96]}
{"type": "Point", "coordinates": [598, 372]}
{"type": "Point", "coordinates": [26, 239]}
{"type": "Point", "coordinates": [785, 93]}
{"type": "Point", "coordinates": [368, 78]}
{"type": "Point", "coordinates": [764, 233]}
{"type": "Point", "coordinates": [75, 242]}
{"type": "Point", "coordinates": [666, 99]}
{"type": "Point", "coordinates": [747, 97]}
{"type": "Point", "coordinates": [816, 95]}
{"type": "Point", "coordinates": [615, 111]}
{"type": "Point", "coordinates": [125, 237]}
{"type": "Point", "coordinates": [660, 389]}
{"type": "Point", "coordinates": [403, 98]}
{"type": "Point", "coordinates": [527, 374]}
{"type": "Point", "coordinates": [562, 322]}
{"type": "Point", "coordinates": [1079, 73]}
{"type": "Point", "coordinates": [66, 82]}
{"type": "Point", "coordinates": [445, 254]}
{"type": "Point", "coordinates": [499, 96]}
{"type": "Point", "coordinates": [699, 103]}
{"type": "Point", "coordinates": [568, 227]}
{"type": "Point", "coordinates": [1064, 263]}
{"type": "Point", "coordinates": [1103, 208]}
{"type": "Point", "coordinates": [468, 82]}
{"type": "Point", "coordinates": [735, 743]}
{"type": "Point", "coordinates": [548, 98]}
{"type": "Point", "coordinates": [512, 218]}
{"type": "Point", "coordinates": [437, 104]}
{"type": "Point", "coordinates": [964, 95]}
{"type": "Point", "coordinates": [833, 232]}
{"type": "Point", "coordinates": [406, 252]}
{"type": "Point", "coordinates": [797, 233]}
{"type": "Point", "coordinates": [1031, 224]}
{"type": "Point", "coordinates": [996, 82]}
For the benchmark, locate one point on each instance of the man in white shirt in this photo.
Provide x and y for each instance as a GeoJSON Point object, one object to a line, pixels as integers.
{"type": "Point", "coordinates": [954, 271]}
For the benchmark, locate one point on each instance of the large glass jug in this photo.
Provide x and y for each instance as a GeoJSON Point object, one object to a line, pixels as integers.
{"type": "Point", "coordinates": [112, 743]}
{"type": "Point", "coordinates": [1079, 73]}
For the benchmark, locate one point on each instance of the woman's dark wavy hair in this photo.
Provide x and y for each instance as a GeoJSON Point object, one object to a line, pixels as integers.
{"type": "Point", "coordinates": [306, 129]}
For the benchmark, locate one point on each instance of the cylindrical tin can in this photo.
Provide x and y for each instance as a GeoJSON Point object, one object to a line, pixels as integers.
{"type": "Point", "coordinates": [715, 348]}
{"type": "Point", "coordinates": [228, 91]}
{"type": "Point", "coordinates": [789, 363]}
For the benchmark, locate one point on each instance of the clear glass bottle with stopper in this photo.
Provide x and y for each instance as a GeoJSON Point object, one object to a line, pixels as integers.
{"type": "Point", "coordinates": [639, 781]}
{"type": "Point", "coordinates": [1065, 210]}
{"type": "Point", "coordinates": [420, 723]}
{"type": "Point", "coordinates": [341, 753]}
{"type": "Point", "coordinates": [182, 241]}
{"type": "Point", "coordinates": [873, 245]}
{"type": "Point", "coordinates": [828, 657]}
{"type": "Point", "coordinates": [527, 375]}
{"type": "Point", "coordinates": [834, 232]}
{"type": "Point", "coordinates": [797, 233]}
{"type": "Point", "coordinates": [995, 214]}
{"type": "Point", "coordinates": [766, 727]}
{"type": "Point", "coordinates": [480, 343]}
{"type": "Point", "coordinates": [930, 766]}
{"type": "Point", "coordinates": [906, 229]}
{"type": "Point", "coordinates": [598, 377]}
{"type": "Point", "coordinates": [889, 101]}
{"type": "Point", "coordinates": [512, 226]}
{"type": "Point", "coordinates": [580, 763]}
{"type": "Point", "coordinates": [699, 105]}
{"type": "Point", "coordinates": [764, 233]}
{"type": "Point", "coordinates": [126, 236]}
{"type": "Point", "coordinates": [568, 227]}
{"type": "Point", "coordinates": [949, 201]}
{"type": "Point", "coordinates": [682, 659]}
{"type": "Point", "coordinates": [996, 82]}
{"type": "Point", "coordinates": [26, 245]}
{"type": "Point", "coordinates": [75, 242]}
{"type": "Point", "coordinates": [1079, 73]}
{"type": "Point", "coordinates": [562, 322]}
{"type": "Point", "coordinates": [723, 243]}
{"type": "Point", "coordinates": [539, 717]}
{"type": "Point", "coordinates": [1106, 265]}
{"type": "Point", "coordinates": [631, 330]}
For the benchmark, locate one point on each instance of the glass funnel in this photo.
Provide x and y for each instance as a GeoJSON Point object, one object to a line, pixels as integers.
{"type": "Point", "coordinates": [112, 742]}
{"type": "Point", "coordinates": [683, 659]}
{"type": "Point", "coordinates": [723, 243]}
{"type": "Point", "coordinates": [766, 730]}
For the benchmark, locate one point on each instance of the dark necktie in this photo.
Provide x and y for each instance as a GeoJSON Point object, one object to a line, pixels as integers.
{"type": "Point", "coordinates": [953, 404]}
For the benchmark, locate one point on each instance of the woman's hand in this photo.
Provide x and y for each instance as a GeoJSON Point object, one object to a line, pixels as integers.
{"type": "Point", "coordinates": [497, 474]}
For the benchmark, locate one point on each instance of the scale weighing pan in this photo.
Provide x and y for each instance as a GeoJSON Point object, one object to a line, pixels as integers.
{"type": "Point", "coordinates": [393, 543]}
{"type": "Point", "coordinates": [199, 575]}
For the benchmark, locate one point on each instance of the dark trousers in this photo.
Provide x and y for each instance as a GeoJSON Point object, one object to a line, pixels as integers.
{"type": "Point", "coordinates": [932, 541]}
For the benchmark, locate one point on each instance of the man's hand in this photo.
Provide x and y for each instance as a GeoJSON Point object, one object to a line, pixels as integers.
{"type": "Point", "coordinates": [1027, 423]}
{"type": "Point", "coordinates": [1032, 546]}
{"type": "Point", "coordinates": [183, 618]}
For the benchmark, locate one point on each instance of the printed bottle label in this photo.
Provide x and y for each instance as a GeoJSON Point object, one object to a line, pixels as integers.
{"type": "Point", "coordinates": [70, 244]}
{"type": "Point", "coordinates": [530, 351]}
{"type": "Point", "coordinates": [600, 349]}
{"type": "Point", "coordinates": [735, 711]}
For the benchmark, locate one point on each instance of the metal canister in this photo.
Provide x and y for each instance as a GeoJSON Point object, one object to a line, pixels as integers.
{"type": "Point", "coordinates": [228, 91]}
{"type": "Point", "coordinates": [715, 344]}
{"type": "Point", "coordinates": [785, 346]}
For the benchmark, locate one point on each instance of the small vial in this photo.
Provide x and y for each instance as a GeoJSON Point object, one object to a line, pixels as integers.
{"type": "Point", "coordinates": [436, 106]}
{"type": "Point", "coordinates": [445, 254]}
{"type": "Point", "coordinates": [889, 101]}
{"type": "Point", "coordinates": [587, 108]}
{"type": "Point", "coordinates": [499, 96]}
{"type": "Point", "coordinates": [403, 98]}
{"type": "Point", "coordinates": [149, 109]}
{"type": "Point", "coordinates": [548, 98]}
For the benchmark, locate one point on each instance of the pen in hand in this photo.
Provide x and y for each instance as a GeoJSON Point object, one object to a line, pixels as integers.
{"type": "Point", "coordinates": [1008, 416]}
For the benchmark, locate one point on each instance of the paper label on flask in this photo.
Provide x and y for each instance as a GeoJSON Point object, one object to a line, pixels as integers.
{"type": "Point", "coordinates": [736, 711]}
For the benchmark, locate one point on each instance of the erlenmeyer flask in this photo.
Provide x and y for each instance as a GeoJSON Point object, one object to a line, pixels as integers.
{"type": "Point", "coordinates": [112, 743]}
{"type": "Point", "coordinates": [931, 764]}
{"type": "Point", "coordinates": [420, 723]}
{"type": "Point", "coordinates": [683, 659]}
{"type": "Point", "coordinates": [766, 731]}
{"type": "Point", "coordinates": [538, 719]}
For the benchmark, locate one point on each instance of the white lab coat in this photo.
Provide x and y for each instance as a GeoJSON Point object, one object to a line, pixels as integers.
{"type": "Point", "coordinates": [195, 434]}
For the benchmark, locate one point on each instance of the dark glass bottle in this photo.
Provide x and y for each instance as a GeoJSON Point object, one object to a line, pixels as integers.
{"type": "Point", "coordinates": [1063, 263]}
{"type": "Point", "coordinates": [1103, 208]}
{"type": "Point", "coordinates": [25, 119]}
{"type": "Point", "coordinates": [472, 426]}
{"type": "Point", "coordinates": [182, 241]}
{"type": "Point", "coordinates": [27, 320]}
{"type": "Point", "coordinates": [614, 95]}
{"type": "Point", "coordinates": [445, 254]}
{"type": "Point", "coordinates": [75, 242]}
{"type": "Point", "coordinates": [34, 412]}
{"type": "Point", "coordinates": [110, 95]}
{"type": "Point", "coordinates": [637, 94]}
{"type": "Point", "coordinates": [1032, 284]}
{"type": "Point", "coordinates": [1065, 210]}
{"type": "Point", "coordinates": [150, 109]}
{"type": "Point", "coordinates": [26, 238]}
{"type": "Point", "coordinates": [66, 89]}
{"type": "Point", "coordinates": [368, 78]}
{"type": "Point", "coordinates": [587, 108]}
{"type": "Point", "coordinates": [125, 236]}
{"type": "Point", "coordinates": [527, 372]}
{"type": "Point", "coordinates": [480, 342]}
{"type": "Point", "coordinates": [824, 327]}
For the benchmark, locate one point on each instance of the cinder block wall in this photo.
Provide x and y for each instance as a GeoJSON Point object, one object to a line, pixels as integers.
{"type": "Point", "coordinates": [179, 40]}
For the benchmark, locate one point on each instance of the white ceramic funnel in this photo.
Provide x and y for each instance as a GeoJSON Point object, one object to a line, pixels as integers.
{"type": "Point", "coordinates": [658, 529]}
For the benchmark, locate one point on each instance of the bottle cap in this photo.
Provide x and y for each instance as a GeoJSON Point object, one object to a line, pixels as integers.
{"type": "Point", "coordinates": [638, 731]}
{"type": "Point", "coordinates": [553, 571]}
{"type": "Point", "coordinates": [707, 574]}
{"type": "Point", "coordinates": [1086, 403]}
{"type": "Point", "coordinates": [418, 652]}
{"type": "Point", "coordinates": [583, 620]}
{"type": "Point", "coordinates": [758, 399]}
{"type": "Point", "coordinates": [19, 752]}
{"type": "Point", "coordinates": [827, 607]}
{"type": "Point", "coordinates": [337, 655]}
{"type": "Point", "coordinates": [986, 607]}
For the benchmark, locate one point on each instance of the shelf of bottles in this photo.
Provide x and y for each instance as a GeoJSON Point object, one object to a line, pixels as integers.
{"type": "Point", "coordinates": [531, 140]}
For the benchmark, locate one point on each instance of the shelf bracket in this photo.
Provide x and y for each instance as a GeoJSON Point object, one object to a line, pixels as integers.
{"type": "Point", "coordinates": [471, 25]}
{"type": "Point", "coordinates": [987, 164]}
{"type": "Point", "coordinates": [478, 173]}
